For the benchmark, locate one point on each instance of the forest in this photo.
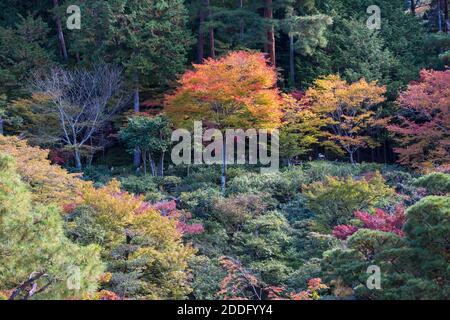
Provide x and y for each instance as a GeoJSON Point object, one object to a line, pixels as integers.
{"type": "Point", "coordinates": [100, 200]}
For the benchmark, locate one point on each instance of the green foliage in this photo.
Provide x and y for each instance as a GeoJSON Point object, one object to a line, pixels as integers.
{"type": "Point", "coordinates": [22, 50]}
{"type": "Point", "coordinates": [335, 200]}
{"type": "Point", "coordinates": [138, 184]}
{"type": "Point", "coordinates": [199, 202]}
{"type": "Point", "coordinates": [436, 183]}
{"type": "Point", "coordinates": [261, 244]}
{"type": "Point", "coordinates": [413, 267]}
{"type": "Point", "coordinates": [151, 136]}
{"type": "Point", "coordinates": [207, 275]}
{"type": "Point", "coordinates": [34, 249]}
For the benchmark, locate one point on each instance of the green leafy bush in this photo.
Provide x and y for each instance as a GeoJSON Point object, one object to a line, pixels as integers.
{"type": "Point", "coordinates": [335, 200]}
{"type": "Point", "coordinates": [436, 183]}
{"type": "Point", "coordinates": [138, 184]}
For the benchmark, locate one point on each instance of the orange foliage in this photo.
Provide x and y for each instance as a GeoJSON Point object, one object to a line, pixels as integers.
{"type": "Point", "coordinates": [423, 130]}
{"type": "Point", "coordinates": [346, 109]}
{"type": "Point", "coordinates": [48, 183]}
{"type": "Point", "coordinates": [236, 91]}
{"type": "Point", "coordinates": [241, 284]}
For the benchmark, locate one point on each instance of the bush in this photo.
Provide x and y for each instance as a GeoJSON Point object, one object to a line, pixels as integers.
{"type": "Point", "coordinates": [320, 170]}
{"type": "Point", "coordinates": [199, 202]}
{"type": "Point", "coordinates": [435, 183]}
{"type": "Point", "coordinates": [154, 196]}
{"type": "Point", "coordinates": [138, 184]}
{"type": "Point", "coordinates": [169, 183]}
{"type": "Point", "coordinates": [282, 186]}
{"type": "Point", "coordinates": [233, 212]}
{"type": "Point", "coordinates": [207, 275]}
{"type": "Point", "coordinates": [335, 200]}
{"type": "Point", "coordinates": [99, 174]}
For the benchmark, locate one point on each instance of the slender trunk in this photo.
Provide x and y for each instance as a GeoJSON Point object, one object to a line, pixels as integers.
{"type": "Point", "coordinates": [446, 18]}
{"type": "Point", "coordinates": [352, 160]}
{"type": "Point", "coordinates": [144, 159]}
{"type": "Point", "coordinates": [59, 30]}
{"type": "Point", "coordinates": [161, 165]}
{"type": "Point", "coordinates": [152, 165]}
{"type": "Point", "coordinates": [201, 34]}
{"type": "Point", "coordinates": [413, 7]}
{"type": "Point", "coordinates": [136, 105]}
{"type": "Point", "coordinates": [211, 43]}
{"type": "Point", "coordinates": [1, 126]}
{"type": "Point", "coordinates": [439, 12]}
{"type": "Point", "coordinates": [77, 159]}
{"type": "Point", "coordinates": [223, 178]}
{"type": "Point", "coordinates": [291, 60]}
{"type": "Point", "coordinates": [268, 14]}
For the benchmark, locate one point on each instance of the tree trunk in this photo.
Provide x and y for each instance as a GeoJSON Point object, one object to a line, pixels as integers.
{"type": "Point", "coordinates": [211, 43]}
{"type": "Point", "coordinates": [161, 165]}
{"type": "Point", "coordinates": [59, 30]}
{"type": "Point", "coordinates": [152, 165]}
{"type": "Point", "coordinates": [1, 126]}
{"type": "Point", "coordinates": [270, 46]}
{"type": "Point", "coordinates": [136, 108]}
{"type": "Point", "coordinates": [144, 159]}
{"type": "Point", "coordinates": [439, 12]}
{"type": "Point", "coordinates": [446, 18]}
{"type": "Point", "coordinates": [291, 60]}
{"type": "Point", "coordinates": [78, 159]}
{"type": "Point", "coordinates": [223, 178]}
{"type": "Point", "coordinates": [201, 35]}
{"type": "Point", "coordinates": [352, 160]}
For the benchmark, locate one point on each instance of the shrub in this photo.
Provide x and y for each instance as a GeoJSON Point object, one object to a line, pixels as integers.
{"type": "Point", "coordinates": [320, 170]}
{"type": "Point", "coordinates": [233, 212]}
{"type": "Point", "coordinates": [143, 248]}
{"type": "Point", "coordinates": [199, 202]}
{"type": "Point", "coordinates": [436, 183]}
{"type": "Point", "coordinates": [99, 174]}
{"type": "Point", "coordinates": [282, 186]}
{"type": "Point", "coordinates": [37, 259]}
{"type": "Point", "coordinates": [207, 275]}
{"type": "Point", "coordinates": [335, 200]}
{"type": "Point", "coordinates": [138, 184]}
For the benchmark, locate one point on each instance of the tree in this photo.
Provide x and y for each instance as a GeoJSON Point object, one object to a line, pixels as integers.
{"type": "Point", "coordinates": [151, 137]}
{"type": "Point", "coordinates": [143, 248]}
{"type": "Point", "coordinates": [85, 100]}
{"type": "Point", "coordinates": [269, 46]}
{"type": "Point", "coordinates": [150, 39]}
{"type": "Point", "coordinates": [22, 50]}
{"type": "Point", "coordinates": [48, 183]}
{"type": "Point", "coordinates": [422, 129]}
{"type": "Point", "coordinates": [347, 110]}
{"type": "Point", "coordinates": [38, 261]}
{"type": "Point", "coordinates": [301, 128]}
{"type": "Point", "coordinates": [379, 220]}
{"type": "Point", "coordinates": [309, 31]}
{"type": "Point", "coordinates": [335, 200]}
{"type": "Point", "coordinates": [235, 91]}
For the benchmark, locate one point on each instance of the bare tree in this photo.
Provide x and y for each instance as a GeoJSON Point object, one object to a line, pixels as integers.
{"type": "Point", "coordinates": [85, 100]}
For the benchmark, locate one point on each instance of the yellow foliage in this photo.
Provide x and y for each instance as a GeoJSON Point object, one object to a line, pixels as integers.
{"type": "Point", "coordinates": [48, 183]}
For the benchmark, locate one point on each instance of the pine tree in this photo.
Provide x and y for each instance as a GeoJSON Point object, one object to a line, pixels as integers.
{"type": "Point", "coordinates": [38, 261]}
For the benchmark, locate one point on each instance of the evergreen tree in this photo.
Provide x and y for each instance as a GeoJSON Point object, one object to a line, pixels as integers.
{"type": "Point", "coordinates": [38, 261]}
